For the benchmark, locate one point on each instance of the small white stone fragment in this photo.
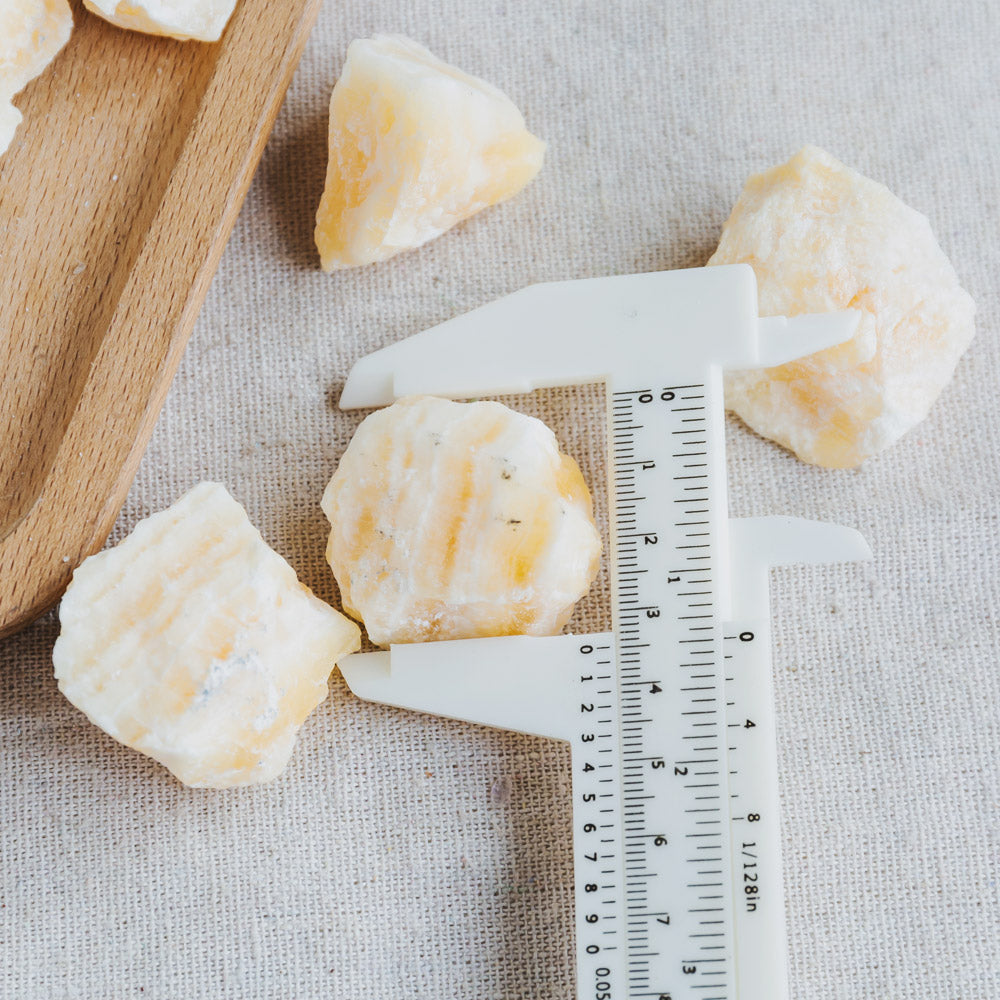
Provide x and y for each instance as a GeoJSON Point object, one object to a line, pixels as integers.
{"type": "Point", "coordinates": [194, 642]}
{"type": "Point", "coordinates": [821, 237]}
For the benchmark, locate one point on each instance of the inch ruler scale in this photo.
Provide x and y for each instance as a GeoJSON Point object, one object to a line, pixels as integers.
{"type": "Point", "coordinates": [669, 716]}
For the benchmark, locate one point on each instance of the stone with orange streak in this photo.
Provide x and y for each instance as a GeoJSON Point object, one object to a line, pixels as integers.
{"type": "Point", "coordinates": [31, 33]}
{"type": "Point", "coordinates": [459, 520]}
{"type": "Point", "coordinates": [185, 20]}
{"type": "Point", "coordinates": [194, 642]}
{"type": "Point", "coordinates": [822, 237]}
{"type": "Point", "coordinates": [415, 147]}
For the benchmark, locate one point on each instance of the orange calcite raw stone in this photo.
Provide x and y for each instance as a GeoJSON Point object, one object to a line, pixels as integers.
{"type": "Point", "coordinates": [194, 642]}
{"type": "Point", "coordinates": [459, 520]}
{"type": "Point", "coordinates": [415, 146]}
{"type": "Point", "coordinates": [185, 20]}
{"type": "Point", "coordinates": [822, 237]}
{"type": "Point", "coordinates": [31, 33]}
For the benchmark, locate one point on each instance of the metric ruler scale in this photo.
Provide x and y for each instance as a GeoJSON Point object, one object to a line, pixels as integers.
{"type": "Point", "coordinates": [669, 715]}
{"type": "Point", "coordinates": [669, 513]}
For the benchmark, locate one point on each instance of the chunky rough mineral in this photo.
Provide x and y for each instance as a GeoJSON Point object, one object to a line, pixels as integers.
{"type": "Point", "coordinates": [822, 237]}
{"type": "Point", "coordinates": [194, 642]}
{"type": "Point", "coordinates": [457, 520]}
{"type": "Point", "coordinates": [185, 20]}
{"type": "Point", "coordinates": [31, 33]}
{"type": "Point", "coordinates": [415, 145]}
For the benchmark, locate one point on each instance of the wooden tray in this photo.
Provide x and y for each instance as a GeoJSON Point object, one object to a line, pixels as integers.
{"type": "Point", "coordinates": [117, 197]}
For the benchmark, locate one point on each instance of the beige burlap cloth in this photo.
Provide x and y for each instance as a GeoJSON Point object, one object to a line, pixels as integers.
{"type": "Point", "coordinates": [403, 856]}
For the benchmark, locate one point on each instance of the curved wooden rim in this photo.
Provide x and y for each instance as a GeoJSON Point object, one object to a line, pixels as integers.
{"type": "Point", "coordinates": [142, 347]}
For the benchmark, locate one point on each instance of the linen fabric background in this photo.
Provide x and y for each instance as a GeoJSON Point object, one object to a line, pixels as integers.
{"type": "Point", "coordinates": [406, 856]}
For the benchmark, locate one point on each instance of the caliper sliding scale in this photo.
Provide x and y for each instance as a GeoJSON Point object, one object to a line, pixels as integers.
{"type": "Point", "coordinates": [669, 716]}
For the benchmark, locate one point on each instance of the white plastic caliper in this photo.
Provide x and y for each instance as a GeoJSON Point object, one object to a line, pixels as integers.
{"type": "Point", "coordinates": [669, 715]}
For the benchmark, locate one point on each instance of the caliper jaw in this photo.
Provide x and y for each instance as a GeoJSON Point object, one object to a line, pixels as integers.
{"type": "Point", "coordinates": [574, 332]}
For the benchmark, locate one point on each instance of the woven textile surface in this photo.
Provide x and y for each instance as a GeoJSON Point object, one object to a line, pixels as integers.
{"type": "Point", "coordinates": [404, 856]}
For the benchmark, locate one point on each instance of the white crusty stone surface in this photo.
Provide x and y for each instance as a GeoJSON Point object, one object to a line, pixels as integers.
{"type": "Point", "coordinates": [10, 118]}
{"type": "Point", "coordinates": [457, 520]}
{"type": "Point", "coordinates": [194, 642]}
{"type": "Point", "coordinates": [822, 237]}
{"type": "Point", "coordinates": [186, 20]}
{"type": "Point", "coordinates": [31, 33]}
